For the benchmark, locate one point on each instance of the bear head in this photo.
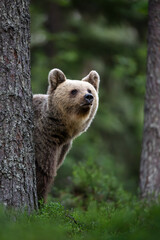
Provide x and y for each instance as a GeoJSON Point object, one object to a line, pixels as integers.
{"type": "Point", "coordinates": [75, 101]}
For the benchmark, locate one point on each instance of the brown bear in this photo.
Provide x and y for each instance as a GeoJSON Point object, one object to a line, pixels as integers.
{"type": "Point", "coordinates": [60, 116]}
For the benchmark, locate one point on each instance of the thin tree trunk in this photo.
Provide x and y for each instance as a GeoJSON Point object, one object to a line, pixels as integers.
{"type": "Point", "coordinates": [150, 158]}
{"type": "Point", "coordinates": [17, 167]}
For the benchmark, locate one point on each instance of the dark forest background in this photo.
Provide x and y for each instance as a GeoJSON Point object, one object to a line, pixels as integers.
{"type": "Point", "coordinates": [109, 37]}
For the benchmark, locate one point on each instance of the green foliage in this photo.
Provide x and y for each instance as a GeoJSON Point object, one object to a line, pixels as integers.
{"type": "Point", "coordinates": [91, 182]}
{"type": "Point", "coordinates": [132, 220]}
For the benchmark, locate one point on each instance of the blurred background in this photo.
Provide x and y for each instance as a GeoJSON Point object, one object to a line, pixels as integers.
{"type": "Point", "coordinates": [108, 36]}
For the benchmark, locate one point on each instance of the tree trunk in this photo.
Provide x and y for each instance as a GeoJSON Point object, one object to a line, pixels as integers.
{"type": "Point", "coordinates": [17, 167]}
{"type": "Point", "coordinates": [150, 158]}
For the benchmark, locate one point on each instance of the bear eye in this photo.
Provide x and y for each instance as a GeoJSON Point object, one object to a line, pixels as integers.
{"type": "Point", "coordinates": [89, 91]}
{"type": "Point", "coordinates": [74, 91]}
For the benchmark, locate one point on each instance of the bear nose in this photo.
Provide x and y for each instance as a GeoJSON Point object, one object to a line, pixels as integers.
{"type": "Point", "coordinates": [88, 97]}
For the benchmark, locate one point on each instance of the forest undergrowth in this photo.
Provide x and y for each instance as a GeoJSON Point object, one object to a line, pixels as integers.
{"type": "Point", "coordinates": [96, 207]}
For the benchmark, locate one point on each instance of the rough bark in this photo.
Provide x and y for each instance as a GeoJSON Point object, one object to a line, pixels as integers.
{"type": "Point", "coordinates": [150, 158]}
{"type": "Point", "coordinates": [17, 167]}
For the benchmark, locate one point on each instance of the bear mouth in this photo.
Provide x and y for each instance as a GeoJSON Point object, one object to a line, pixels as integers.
{"type": "Point", "coordinates": [86, 105]}
{"type": "Point", "coordinates": [85, 108]}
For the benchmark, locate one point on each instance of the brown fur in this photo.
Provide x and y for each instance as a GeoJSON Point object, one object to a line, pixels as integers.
{"type": "Point", "coordinates": [59, 117]}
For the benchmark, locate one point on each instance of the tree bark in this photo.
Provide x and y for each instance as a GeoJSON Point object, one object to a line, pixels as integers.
{"type": "Point", "coordinates": [150, 158]}
{"type": "Point", "coordinates": [17, 166]}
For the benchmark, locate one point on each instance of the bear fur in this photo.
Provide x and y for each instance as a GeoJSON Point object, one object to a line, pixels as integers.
{"type": "Point", "coordinates": [61, 115]}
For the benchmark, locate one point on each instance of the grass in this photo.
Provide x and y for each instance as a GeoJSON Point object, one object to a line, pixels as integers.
{"type": "Point", "coordinates": [134, 220]}
{"type": "Point", "coordinates": [95, 207]}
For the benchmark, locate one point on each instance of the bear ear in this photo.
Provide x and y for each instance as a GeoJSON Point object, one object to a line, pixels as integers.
{"type": "Point", "coordinates": [93, 78]}
{"type": "Point", "coordinates": [55, 77]}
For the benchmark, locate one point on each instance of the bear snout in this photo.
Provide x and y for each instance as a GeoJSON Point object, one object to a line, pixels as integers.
{"type": "Point", "coordinates": [88, 98]}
